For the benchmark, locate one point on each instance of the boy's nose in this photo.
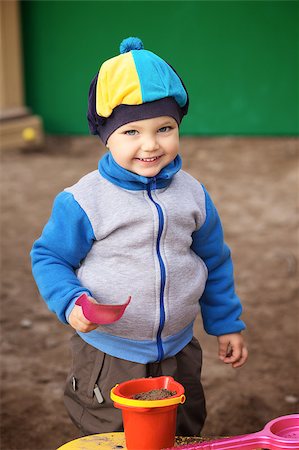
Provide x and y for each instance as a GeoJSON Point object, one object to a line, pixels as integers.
{"type": "Point", "coordinates": [149, 144]}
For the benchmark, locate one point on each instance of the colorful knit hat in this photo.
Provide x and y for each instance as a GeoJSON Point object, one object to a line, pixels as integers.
{"type": "Point", "coordinates": [135, 85]}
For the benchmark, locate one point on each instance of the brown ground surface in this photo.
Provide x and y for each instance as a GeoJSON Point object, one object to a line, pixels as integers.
{"type": "Point", "coordinates": [254, 183]}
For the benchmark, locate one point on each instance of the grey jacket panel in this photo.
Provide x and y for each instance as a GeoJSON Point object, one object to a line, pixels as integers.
{"type": "Point", "coordinates": [124, 260]}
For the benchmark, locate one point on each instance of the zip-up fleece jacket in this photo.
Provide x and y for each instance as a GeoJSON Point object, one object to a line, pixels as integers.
{"type": "Point", "coordinates": [117, 234]}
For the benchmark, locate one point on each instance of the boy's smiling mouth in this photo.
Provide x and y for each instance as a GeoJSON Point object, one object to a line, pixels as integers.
{"type": "Point", "coordinates": [155, 158]}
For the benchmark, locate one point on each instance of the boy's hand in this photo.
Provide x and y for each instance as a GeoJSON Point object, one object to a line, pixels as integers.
{"type": "Point", "coordinates": [232, 349]}
{"type": "Point", "coordinates": [79, 322]}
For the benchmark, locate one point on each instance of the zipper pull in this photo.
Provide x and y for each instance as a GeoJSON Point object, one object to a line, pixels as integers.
{"type": "Point", "coordinates": [74, 383]}
{"type": "Point", "coordinates": [98, 394]}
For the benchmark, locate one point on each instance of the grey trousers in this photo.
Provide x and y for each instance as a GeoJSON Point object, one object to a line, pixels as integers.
{"type": "Point", "coordinates": [94, 374]}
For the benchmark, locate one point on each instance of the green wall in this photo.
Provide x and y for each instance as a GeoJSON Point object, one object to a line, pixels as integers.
{"type": "Point", "coordinates": [238, 59]}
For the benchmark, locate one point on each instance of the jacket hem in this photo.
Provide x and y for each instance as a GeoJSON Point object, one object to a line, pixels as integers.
{"type": "Point", "coordinates": [142, 352]}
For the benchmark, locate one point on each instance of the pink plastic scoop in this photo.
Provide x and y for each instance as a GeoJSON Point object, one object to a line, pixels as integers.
{"type": "Point", "coordinates": [101, 314]}
{"type": "Point", "coordinates": [279, 434]}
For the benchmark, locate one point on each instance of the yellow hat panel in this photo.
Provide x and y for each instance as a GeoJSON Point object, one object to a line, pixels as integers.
{"type": "Point", "coordinates": [118, 84]}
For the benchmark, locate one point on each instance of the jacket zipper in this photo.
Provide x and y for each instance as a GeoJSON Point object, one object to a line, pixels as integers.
{"type": "Point", "coordinates": [162, 273]}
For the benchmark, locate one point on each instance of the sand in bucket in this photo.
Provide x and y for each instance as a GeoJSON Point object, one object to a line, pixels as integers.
{"type": "Point", "coordinates": [148, 424]}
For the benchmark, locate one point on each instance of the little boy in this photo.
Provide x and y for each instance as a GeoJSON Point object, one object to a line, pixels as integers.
{"type": "Point", "coordinates": [138, 226]}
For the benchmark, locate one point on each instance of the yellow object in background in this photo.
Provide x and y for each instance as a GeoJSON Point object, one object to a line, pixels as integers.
{"type": "Point", "coordinates": [29, 134]}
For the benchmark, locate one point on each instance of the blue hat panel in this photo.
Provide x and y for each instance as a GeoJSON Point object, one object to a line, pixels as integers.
{"type": "Point", "coordinates": [157, 79]}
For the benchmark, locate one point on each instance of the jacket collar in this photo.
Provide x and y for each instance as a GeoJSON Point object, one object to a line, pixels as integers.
{"type": "Point", "coordinates": [116, 174]}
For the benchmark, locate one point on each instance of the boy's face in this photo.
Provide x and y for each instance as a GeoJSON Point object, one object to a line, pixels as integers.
{"type": "Point", "coordinates": [145, 146]}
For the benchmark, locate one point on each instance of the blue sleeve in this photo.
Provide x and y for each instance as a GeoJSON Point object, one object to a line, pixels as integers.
{"type": "Point", "coordinates": [64, 243]}
{"type": "Point", "coordinates": [220, 306]}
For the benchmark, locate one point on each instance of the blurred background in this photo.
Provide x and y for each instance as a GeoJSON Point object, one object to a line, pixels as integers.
{"type": "Point", "coordinates": [239, 62]}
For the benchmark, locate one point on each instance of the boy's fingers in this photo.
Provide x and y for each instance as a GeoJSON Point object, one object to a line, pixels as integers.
{"type": "Point", "coordinates": [242, 360]}
{"type": "Point", "coordinates": [81, 319]}
{"type": "Point", "coordinates": [222, 350]}
{"type": "Point", "coordinates": [228, 353]}
{"type": "Point", "coordinates": [231, 350]}
{"type": "Point", "coordinates": [84, 321]}
{"type": "Point", "coordinates": [233, 357]}
{"type": "Point", "coordinates": [86, 327]}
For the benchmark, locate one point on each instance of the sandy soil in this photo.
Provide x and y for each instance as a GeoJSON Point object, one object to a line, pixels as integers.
{"type": "Point", "coordinates": [254, 183]}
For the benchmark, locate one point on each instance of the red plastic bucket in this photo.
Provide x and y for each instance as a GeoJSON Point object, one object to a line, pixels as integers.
{"type": "Point", "coordinates": [148, 424]}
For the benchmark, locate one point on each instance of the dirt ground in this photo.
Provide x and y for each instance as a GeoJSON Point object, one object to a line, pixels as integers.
{"type": "Point", "coordinates": [254, 184]}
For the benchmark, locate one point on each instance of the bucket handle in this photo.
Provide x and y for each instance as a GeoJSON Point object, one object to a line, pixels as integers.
{"type": "Point", "coordinates": [146, 403]}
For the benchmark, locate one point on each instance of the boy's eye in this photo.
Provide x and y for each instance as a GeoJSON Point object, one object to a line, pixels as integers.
{"type": "Point", "coordinates": [164, 129]}
{"type": "Point", "coordinates": [131, 132]}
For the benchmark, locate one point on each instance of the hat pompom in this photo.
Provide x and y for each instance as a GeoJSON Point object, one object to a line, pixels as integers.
{"type": "Point", "coordinates": [131, 43]}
